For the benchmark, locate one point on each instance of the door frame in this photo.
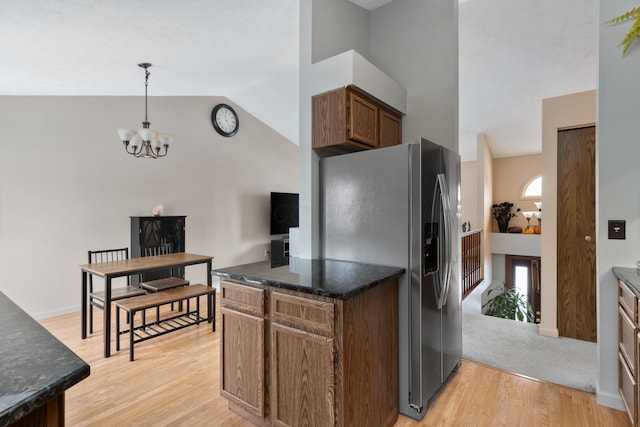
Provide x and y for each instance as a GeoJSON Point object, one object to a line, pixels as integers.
{"type": "Point", "coordinates": [512, 261]}
{"type": "Point", "coordinates": [562, 112]}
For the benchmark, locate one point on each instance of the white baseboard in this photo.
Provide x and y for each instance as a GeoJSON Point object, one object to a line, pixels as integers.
{"type": "Point", "coordinates": [57, 312]}
{"type": "Point", "coordinates": [76, 308]}
{"type": "Point", "coordinates": [549, 332]}
{"type": "Point", "coordinates": [610, 400]}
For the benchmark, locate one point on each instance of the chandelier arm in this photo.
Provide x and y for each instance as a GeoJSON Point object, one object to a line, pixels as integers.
{"type": "Point", "coordinates": [133, 151]}
{"type": "Point", "coordinates": [149, 150]}
{"type": "Point", "coordinates": [146, 152]}
{"type": "Point", "coordinates": [166, 150]}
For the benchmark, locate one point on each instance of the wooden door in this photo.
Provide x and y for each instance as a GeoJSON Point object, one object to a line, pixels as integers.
{"type": "Point", "coordinates": [576, 303]}
{"type": "Point", "coordinates": [242, 361]}
{"type": "Point", "coordinates": [302, 378]}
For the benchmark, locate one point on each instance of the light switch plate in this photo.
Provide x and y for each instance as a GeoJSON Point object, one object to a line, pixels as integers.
{"type": "Point", "coordinates": [617, 229]}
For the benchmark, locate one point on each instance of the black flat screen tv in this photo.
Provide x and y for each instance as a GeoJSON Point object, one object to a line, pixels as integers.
{"type": "Point", "coordinates": [284, 212]}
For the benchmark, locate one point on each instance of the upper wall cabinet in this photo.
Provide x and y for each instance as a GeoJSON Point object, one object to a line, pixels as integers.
{"type": "Point", "coordinates": [348, 119]}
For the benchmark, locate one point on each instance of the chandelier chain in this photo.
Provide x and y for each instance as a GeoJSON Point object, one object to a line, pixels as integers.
{"type": "Point", "coordinates": [147, 73]}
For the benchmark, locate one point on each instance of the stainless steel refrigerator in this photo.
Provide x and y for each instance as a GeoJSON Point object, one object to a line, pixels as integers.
{"type": "Point", "coordinates": [398, 206]}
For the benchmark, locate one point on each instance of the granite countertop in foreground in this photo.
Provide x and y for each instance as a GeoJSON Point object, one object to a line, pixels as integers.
{"type": "Point", "coordinates": [330, 278]}
{"type": "Point", "coordinates": [34, 365]}
{"type": "Point", "coordinates": [629, 276]}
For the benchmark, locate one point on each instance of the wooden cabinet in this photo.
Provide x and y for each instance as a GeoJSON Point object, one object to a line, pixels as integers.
{"type": "Point", "coordinates": [328, 361]}
{"type": "Point", "coordinates": [628, 351]}
{"type": "Point", "coordinates": [348, 119]}
{"type": "Point", "coordinates": [243, 348]}
{"type": "Point", "coordinates": [152, 231]}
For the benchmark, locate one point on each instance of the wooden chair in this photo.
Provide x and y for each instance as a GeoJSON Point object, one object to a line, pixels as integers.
{"type": "Point", "coordinates": [96, 298]}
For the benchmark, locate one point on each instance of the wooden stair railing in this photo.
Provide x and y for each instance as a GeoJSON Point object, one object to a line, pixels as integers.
{"type": "Point", "coordinates": [471, 244]}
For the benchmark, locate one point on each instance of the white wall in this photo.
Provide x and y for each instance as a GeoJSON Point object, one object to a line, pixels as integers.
{"type": "Point", "coordinates": [337, 26]}
{"type": "Point", "coordinates": [320, 22]}
{"type": "Point", "coordinates": [415, 42]}
{"type": "Point", "coordinates": [485, 200]}
{"type": "Point", "coordinates": [617, 193]}
{"type": "Point", "coordinates": [422, 58]}
{"type": "Point", "coordinates": [561, 112]}
{"type": "Point", "coordinates": [67, 186]}
{"type": "Point", "coordinates": [469, 193]}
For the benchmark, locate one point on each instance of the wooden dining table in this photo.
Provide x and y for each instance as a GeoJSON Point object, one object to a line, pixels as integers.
{"type": "Point", "coordinates": [112, 269]}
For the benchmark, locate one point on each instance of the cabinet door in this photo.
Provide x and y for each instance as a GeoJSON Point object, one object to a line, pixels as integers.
{"type": "Point", "coordinates": [302, 378]}
{"type": "Point", "coordinates": [242, 360]}
{"type": "Point", "coordinates": [390, 129]}
{"type": "Point", "coordinates": [362, 123]}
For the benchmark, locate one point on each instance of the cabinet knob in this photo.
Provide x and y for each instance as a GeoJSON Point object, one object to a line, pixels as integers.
{"type": "Point", "coordinates": [587, 238]}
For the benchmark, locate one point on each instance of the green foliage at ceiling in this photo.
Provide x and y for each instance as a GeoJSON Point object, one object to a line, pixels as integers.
{"type": "Point", "coordinates": [633, 33]}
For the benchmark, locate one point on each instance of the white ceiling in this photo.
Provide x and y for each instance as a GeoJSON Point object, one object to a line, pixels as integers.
{"type": "Point", "coordinates": [513, 54]}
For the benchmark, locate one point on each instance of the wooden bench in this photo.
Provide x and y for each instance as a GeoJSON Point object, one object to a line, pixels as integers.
{"type": "Point", "coordinates": [165, 284]}
{"type": "Point", "coordinates": [159, 326]}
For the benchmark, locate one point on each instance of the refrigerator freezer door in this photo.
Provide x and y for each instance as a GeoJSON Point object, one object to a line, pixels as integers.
{"type": "Point", "coordinates": [425, 331]}
{"type": "Point", "coordinates": [451, 311]}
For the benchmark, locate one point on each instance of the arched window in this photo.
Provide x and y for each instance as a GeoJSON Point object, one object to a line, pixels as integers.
{"type": "Point", "coordinates": [533, 189]}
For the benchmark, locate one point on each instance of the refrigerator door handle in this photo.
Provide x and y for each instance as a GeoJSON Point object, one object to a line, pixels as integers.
{"type": "Point", "coordinates": [447, 231]}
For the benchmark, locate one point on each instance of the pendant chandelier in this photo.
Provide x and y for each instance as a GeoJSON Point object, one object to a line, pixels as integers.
{"type": "Point", "coordinates": [145, 142]}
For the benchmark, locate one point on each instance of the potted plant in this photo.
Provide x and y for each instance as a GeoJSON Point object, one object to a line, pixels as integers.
{"type": "Point", "coordinates": [502, 213]}
{"type": "Point", "coordinates": [508, 303]}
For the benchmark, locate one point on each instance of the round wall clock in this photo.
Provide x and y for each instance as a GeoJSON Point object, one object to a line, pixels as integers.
{"type": "Point", "coordinates": [225, 120]}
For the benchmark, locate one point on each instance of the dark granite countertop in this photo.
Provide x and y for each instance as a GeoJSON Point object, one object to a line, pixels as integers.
{"type": "Point", "coordinates": [330, 278]}
{"type": "Point", "coordinates": [34, 365]}
{"type": "Point", "coordinates": [629, 276]}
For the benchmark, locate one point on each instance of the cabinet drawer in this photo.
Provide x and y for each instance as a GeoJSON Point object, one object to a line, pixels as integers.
{"type": "Point", "coordinates": [628, 300]}
{"type": "Point", "coordinates": [627, 339]}
{"type": "Point", "coordinates": [302, 312]}
{"type": "Point", "coordinates": [627, 386]}
{"type": "Point", "coordinates": [242, 298]}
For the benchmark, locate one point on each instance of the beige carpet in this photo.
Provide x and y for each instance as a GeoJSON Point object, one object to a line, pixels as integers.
{"type": "Point", "coordinates": [518, 347]}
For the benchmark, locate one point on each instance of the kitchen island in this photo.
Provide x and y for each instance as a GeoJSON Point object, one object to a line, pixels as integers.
{"type": "Point", "coordinates": [35, 370]}
{"type": "Point", "coordinates": [310, 343]}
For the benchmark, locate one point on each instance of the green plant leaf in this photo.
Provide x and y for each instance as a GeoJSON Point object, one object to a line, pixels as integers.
{"type": "Point", "coordinates": [632, 14]}
{"type": "Point", "coordinates": [633, 33]}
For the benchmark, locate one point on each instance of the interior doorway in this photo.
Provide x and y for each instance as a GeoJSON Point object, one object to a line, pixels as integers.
{"type": "Point", "coordinates": [576, 246]}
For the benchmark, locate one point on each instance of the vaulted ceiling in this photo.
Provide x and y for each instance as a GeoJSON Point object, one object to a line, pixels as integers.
{"type": "Point", "coordinates": [513, 54]}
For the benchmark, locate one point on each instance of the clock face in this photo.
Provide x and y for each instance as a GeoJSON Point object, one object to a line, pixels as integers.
{"type": "Point", "coordinates": [225, 120]}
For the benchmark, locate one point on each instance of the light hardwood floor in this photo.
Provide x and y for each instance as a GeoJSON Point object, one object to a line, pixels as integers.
{"type": "Point", "coordinates": [175, 380]}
